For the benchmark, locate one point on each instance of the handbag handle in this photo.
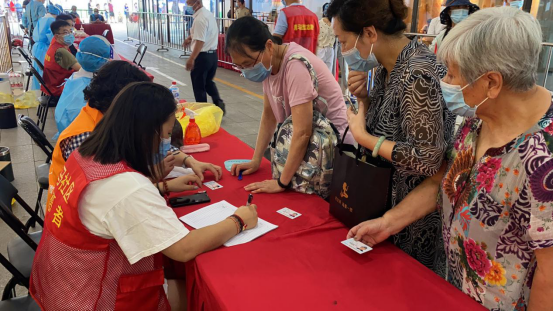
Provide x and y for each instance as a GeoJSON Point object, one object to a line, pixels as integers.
{"type": "Point", "coordinates": [341, 147]}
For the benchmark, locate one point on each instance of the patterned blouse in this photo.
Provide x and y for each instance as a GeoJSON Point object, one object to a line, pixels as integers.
{"type": "Point", "coordinates": [410, 110]}
{"type": "Point", "coordinates": [496, 211]}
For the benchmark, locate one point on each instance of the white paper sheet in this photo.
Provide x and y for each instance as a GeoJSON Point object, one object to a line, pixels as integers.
{"type": "Point", "coordinates": [218, 212]}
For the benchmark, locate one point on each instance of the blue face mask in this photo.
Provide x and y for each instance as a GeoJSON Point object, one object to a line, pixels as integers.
{"type": "Point", "coordinates": [455, 101]}
{"type": "Point", "coordinates": [356, 62]}
{"type": "Point", "coordinates": [258, 73]}
{"type": "Point", "coordinates": [516, 4]}
{"type": "Point", "coordinates": [164, 148]}
{"type": "Point", "coordinates": [69, 39]}
{"type": "Point", "coordinates": [189, 10]}
{"type": "Point", "coordinates": [459, 15]}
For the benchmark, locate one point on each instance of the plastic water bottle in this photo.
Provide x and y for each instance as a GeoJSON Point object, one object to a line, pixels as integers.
{"type": "Point", "coordinates": [175, 90]}
{"type": "Point", "coordinates": [193, 134]}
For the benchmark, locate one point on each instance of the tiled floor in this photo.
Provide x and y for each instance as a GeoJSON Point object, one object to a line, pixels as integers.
{"type": "Point", "coordinates": [242, 120]}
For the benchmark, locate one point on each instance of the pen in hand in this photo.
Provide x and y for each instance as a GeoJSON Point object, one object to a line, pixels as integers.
{"type": "Point", "coordinates": [250, 198]}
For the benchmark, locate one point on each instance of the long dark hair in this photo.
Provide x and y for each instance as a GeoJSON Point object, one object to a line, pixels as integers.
{"type": "Point", "coordinates": [130, 130]}
{"type": "Point", "coordinates": [247, 31]}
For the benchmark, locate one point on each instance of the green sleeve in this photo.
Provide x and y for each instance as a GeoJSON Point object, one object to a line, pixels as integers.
{"type": "Point", "coordinates": [64, 58]}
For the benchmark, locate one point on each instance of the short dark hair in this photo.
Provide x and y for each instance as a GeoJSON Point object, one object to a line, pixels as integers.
{"type": "Point", "coordinates": [56, 25]}
{"type": "Point", "coordinates": [177, 135]}
{"type": "Point", "coordinates": [64, 17]}
{"type": "Point", "coordinates": [247, 31]}
{"type": "Point", "coordinates": [108, 81]}
{"type": "Point", "coordinates": [241, 1]}
{"type": "Point", "coordinates": [385, 15]}
{"type": "Point", "coordinates": [130, 129]}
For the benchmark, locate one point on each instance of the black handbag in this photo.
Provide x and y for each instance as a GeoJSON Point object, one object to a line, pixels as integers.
{"type": "Point", "coordinates": [360, 189]}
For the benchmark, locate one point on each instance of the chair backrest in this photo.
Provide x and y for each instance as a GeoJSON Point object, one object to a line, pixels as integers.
{"type": "Point", "coordinates": [17, 226]}
{"type": "Point", "coordinates": [37, 135]}
{"type": "Point", "coordinates": [39, 63]}
{"type": "Point", "coordinates": [20, 279]}
{"type": "Point", "coordinates": [105, 33]}
{"type": "Point", "coordinates": [25, 56]}
{"type": "Point", "coordinates": [9, 192]}
{"type": "Point", "coordinates": [140, 51]}
{"type": "Point", "coordinates": [40, 80]}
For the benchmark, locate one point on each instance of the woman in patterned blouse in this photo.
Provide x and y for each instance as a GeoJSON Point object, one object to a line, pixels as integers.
{"type": "Point", "coordinates": [405, 107]}
{"type": "Point", "coordinates": [495, 190]}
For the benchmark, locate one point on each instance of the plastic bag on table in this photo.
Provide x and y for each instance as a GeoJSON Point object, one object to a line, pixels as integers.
{"type": "Point", "coordinates": [208, 117]}
{"type": "Point", "coordinates": [27, 100]}
{"type": "Point", "coordinates": [6, 98]}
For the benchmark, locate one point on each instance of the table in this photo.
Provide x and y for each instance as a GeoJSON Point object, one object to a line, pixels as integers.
{"type": "Point", "coordinates": [78, 40]}
{"type": "Point", "coordinates": [98, 29]}
{"type": "Point", "coordinates": [302, 265]}
{"type": "Point", "coordinates": [147, 73]}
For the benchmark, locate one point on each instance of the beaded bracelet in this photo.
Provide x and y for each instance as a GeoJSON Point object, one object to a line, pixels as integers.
{"type": "Point", "coordinates": [243, 224]}
{"type": "Point", "coordinates": [235, 222]}
{"type": "Point", "coordinates": [166, 187]}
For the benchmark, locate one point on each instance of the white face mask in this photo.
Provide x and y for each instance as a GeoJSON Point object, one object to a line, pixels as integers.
{"type": "Point", "coordinates": [455, 100]}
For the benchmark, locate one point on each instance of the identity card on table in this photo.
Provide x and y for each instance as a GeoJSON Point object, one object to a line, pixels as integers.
{"type": "Point", "coordinates": [356, 246]}
{"type": "Point", "coordinates": [212, 185]}
{"type": "Point", "coordinates": [218, 212]}
{"type": "Point", "coordinates": [289, 213]}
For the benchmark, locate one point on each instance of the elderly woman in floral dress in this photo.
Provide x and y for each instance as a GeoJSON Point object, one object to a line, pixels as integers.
{"type": "Point", "coordinates": [495, 190]}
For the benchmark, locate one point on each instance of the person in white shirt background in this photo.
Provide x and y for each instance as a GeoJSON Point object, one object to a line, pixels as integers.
{"type": "Point", "coordinates": [202, 63]}
{"type": "Point", "coordinates": [325, 42]}
{"type": "Point", "coordinates": [436, 26]}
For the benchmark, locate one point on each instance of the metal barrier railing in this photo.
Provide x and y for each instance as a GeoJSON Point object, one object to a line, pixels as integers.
{"type": "Point", "coordinates": [162, 29]}
{"type": "Point", "coordinates": [5, 45]}
{"type": "Point", "coordinates": [168, 30]}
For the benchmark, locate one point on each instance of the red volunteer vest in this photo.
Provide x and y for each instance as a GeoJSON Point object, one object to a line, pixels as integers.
{"type": "Point", "coordinates": [303, 27]}
{"type": "Point", "coordinates": [54, 75]}
{"type": "Point", "coordinates": [74, 269]}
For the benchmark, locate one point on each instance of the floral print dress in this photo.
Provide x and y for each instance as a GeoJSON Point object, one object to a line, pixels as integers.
{"type": "Point", "coordinates": [496, 211]}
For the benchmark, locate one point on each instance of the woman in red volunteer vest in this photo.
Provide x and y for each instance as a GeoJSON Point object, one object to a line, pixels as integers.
{"type": "Point", "coordinates": [107, 225]}
{"type": "Point", "coordinates": [59, 63]}
{"type": "Point", "coordinates": [296, 23]}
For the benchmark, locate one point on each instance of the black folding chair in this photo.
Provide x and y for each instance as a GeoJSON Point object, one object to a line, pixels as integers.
{"type": "Point", "coordinates": [46, 101]}
{"type": "Point", "coordinates": [21, 250]}
{"type": "Point", "coordinates": [42, 171]}
{"type": "Point", "coordinates": [28, 72]}
{"type": "Point", "coordinates": [24, 303]}
{"type": "Point", "coordinates": [38, 63]}
{"type": "Point", "coordinates": [140, 51]}
{"type": "Point", "coordinates": [105, 33]}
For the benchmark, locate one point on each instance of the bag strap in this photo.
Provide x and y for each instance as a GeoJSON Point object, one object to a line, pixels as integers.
{"type": "Point", "coordinates": [315, 81]}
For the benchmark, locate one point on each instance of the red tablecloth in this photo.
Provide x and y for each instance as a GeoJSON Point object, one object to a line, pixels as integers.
{"type": "Point", "coordinates": [98, 29]}
{"type": "Point", "coordinates": [302, 265]}
{"type": "Point", "coordinates": [79, 39]}
{"type": "Point", "coordinates": [147, 73]}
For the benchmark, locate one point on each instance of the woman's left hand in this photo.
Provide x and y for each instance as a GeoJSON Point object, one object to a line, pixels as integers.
{"type": "Point", "coordinates": [357, 122]}
{"type": "Point", "coordinates": [200, 167]}
{"type": "Point", "coordinates": [267, 186]}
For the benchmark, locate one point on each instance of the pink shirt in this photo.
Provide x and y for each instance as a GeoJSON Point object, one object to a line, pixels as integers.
{"type": "Point", "coordinates": [292, 86]}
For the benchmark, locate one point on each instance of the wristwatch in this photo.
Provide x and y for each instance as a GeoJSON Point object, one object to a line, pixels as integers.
{"type": "Point", "coordinates": [282, 185]}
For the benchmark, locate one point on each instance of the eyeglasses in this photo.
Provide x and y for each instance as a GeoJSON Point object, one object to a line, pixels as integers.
{"type": "Point", "coordinates": [66, 33]}
{"type": "Point", "coordinates": [254, 63]}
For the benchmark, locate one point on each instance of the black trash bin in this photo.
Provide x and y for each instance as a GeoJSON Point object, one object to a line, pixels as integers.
{"type": "Point", "coordinates": [7, 116]}
{"type": "Point", "coordinates": [7, 172]}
